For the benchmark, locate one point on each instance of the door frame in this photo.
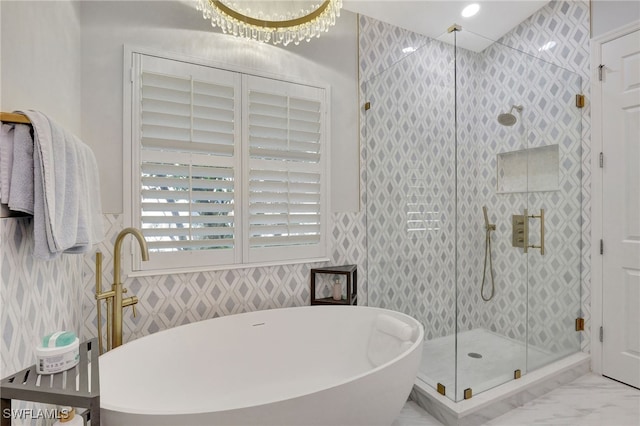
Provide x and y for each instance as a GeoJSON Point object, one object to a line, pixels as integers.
{"type": "Point", "coordinates": [596, 191]}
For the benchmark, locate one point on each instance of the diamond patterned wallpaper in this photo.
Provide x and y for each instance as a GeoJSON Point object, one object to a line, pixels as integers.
{"type": "Point", "coordinates": [408, 161]}
{"type": "Point", "coordinates": [39, 297]}
{"type": "Point", "coordinates": [167, 301]}
{"type": "Point", "coordinates": [36, 297]}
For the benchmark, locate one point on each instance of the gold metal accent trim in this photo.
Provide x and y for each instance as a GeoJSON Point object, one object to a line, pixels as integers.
{"type": "Point", "coordinates": [454, 27]}
{"type": "Point", "coordinates": [367, 106]}
{"type": "Point", "coordinates": [520, 231]}
{"type": "Point", "coordinates": [468, 393]}
{"type": "Point", "coordinates": [579, 324]}
{"type": "Point", "coordinates": [580, 101]}
{"type": "Point", "coordinates": [526, 231]}
{"type": "Point", "coordinates": [517, 374]}
{"type": "Point", "coordinates": [270, 24]}
{"type": "Point", "coordinates": [98, 272]}
{"type": "Point", "coordinates": [441, 389]}
{"type": "Point", "coordinates": [541, 217]}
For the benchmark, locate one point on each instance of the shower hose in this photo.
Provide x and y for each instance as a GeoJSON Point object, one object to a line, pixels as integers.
{"type": "Point", "coordinates": [487, 254]}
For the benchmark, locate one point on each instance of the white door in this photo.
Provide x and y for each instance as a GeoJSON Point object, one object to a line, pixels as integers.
{"type": "Point", "coordinates": [621, 208]}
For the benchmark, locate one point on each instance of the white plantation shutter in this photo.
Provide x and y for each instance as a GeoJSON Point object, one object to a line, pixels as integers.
{"type": "Point", "coordinates": [284, 134]}
{"type": "Point", "coordinates": [188, 122]}
{"type": "Point", "coordinates": [227, 168]}
{"type": "Point", "coordinates": [186, 206]}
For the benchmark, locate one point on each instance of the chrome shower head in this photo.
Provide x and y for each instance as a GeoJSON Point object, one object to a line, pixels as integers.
{"type": "Point", "coordinates": [508, 119]}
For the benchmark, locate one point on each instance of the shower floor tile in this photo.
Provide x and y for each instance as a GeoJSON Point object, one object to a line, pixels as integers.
{"type": "Point", "coordinates": [485, 360]}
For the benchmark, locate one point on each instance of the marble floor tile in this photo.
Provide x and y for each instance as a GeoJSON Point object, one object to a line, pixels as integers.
{"type": "Point", "coordinates": [591, 400]}
{"type": "Point", "coordinates": [413, 415]}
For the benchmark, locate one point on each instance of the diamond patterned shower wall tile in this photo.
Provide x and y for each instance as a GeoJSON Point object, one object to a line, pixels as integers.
{"type": "Point", "coordinates": [407, 159]}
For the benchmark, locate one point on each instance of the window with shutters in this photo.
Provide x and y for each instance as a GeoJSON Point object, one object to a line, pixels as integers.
{"type": "Point", "coordinates": [284, 173]}
{"type": "Point", "coordinates": [228, 169]}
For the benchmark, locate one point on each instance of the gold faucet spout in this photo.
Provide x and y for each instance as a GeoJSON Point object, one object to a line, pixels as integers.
{"type": "Point", "coordinates": [118, 302]}
{"type": "Point", "coordinates": [118, 248]}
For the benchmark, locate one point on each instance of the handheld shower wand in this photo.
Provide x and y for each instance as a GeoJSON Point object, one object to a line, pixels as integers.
{"type": "Point", "coordinates": [487, 253]}
{"type": "Point", "coordinates": [488, 226]}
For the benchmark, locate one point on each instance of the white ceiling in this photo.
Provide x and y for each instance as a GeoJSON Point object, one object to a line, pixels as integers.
{"type": "Point", "coordinates": [433, 17]}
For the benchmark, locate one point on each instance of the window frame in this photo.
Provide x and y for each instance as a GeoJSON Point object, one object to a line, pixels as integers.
{"type": "Point", "coordinates": [244, 257]}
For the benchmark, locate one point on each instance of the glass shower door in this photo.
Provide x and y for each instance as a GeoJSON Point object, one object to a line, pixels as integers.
{"type": "Point", "coordinates": [555, 209]}
{"type": "Point", "coordinates": [491, 153]}
{"type": "Point", "coordinates": [409, 150]}
{"type": "Point", "coordinates": [464, 152]}
{"type": "Point", "coordinates": [519, 156]}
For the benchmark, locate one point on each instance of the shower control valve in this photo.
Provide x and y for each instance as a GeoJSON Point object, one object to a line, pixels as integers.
{"type": "Point", "coordinates": [519, 231]}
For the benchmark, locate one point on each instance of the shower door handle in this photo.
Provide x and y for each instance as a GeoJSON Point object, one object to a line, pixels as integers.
{"type": "Point", "coordinates": [526, 231]}
{"type": "Point", "coordinates": [541, 217]}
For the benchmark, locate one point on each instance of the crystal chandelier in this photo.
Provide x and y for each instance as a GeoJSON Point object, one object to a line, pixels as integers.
{"type": "Point", "coordinates": [275, 21]}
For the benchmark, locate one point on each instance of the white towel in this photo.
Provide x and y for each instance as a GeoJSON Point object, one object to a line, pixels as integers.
{"type": "Point", "coordinates": [67, 209]}
{"type": "Point", "coordinates": [21, 187]}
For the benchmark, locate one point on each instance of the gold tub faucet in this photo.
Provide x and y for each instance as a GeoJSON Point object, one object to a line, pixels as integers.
{"type": "Point", "coordinates": [115, 302]}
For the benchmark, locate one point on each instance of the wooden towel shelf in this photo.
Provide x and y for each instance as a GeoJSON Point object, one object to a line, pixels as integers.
{"type": "Point", "coordinates": [10, 117]}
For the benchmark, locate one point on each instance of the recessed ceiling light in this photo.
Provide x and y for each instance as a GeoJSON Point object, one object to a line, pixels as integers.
{"type": "Point", "coordinates": [470, 10]}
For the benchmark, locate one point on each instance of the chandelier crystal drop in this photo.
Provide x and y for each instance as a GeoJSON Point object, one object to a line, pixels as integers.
{"type": "Point", "coordinates": [272, 21]}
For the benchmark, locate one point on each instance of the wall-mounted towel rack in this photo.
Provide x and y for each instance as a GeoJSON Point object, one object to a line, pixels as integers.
{"type": "Point", "coordinates": [10, 117]}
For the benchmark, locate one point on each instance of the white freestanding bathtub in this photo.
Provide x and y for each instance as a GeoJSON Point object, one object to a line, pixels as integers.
{"type": "Point", "coordinates": [313, 365]}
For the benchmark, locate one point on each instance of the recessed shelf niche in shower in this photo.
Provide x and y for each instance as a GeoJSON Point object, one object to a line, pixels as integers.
{"type": "Point", "coordinates": [532, 170]}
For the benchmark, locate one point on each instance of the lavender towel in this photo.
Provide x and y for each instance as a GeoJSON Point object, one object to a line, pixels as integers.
{"type": "Point", "coordinates": [21, 189]}
{"type": "Point", "coordinates": [6, 161]}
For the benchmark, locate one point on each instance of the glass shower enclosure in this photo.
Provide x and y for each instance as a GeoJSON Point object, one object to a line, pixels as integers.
{"type": "Point", "coordinates": [473, 209]}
